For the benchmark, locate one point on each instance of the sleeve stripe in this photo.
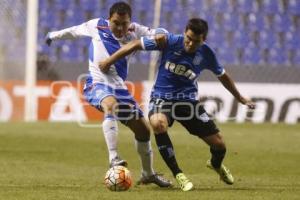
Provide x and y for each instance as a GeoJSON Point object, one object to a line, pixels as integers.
{"type": "Point", "coordinates": [142, 42]}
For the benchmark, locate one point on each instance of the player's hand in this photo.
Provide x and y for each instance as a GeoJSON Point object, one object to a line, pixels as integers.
{"type": "Point", "coordinates": [48, 39]}
{"type": "Point", "coordinates": [104, 66]}
{"type": "Point", "coordinates": [161, 40]}
{"type": "Point", "coordinates": [250, 104]}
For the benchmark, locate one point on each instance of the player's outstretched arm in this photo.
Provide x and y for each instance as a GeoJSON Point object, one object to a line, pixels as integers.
{"type": "Point", "coordinates": [127, 49]}
{"type": "Point", "coordinates": [86, 29]}
{"type": "Point", "coordinates": [230, 86]}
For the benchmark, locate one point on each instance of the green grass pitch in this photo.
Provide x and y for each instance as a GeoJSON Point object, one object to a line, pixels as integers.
{"type": "Point", "coordinates": [64, 161]}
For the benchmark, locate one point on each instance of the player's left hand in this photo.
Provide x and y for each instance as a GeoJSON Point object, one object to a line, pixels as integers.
{"type": "Point", "coordinates": [48, 40]}
{"type": "Point", "coordinates": [104, 66]}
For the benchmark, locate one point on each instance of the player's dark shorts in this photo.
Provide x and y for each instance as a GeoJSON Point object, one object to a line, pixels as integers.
{"type": "Point", "coordinates": [127, 106]}
{"type": "Point", "coordinates": [191, 115]}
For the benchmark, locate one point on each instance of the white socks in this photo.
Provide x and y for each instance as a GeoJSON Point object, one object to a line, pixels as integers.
{"type": "Point", "coordinates": [146, 155]}
{"type": "Point", "coordinates": [110, 132]}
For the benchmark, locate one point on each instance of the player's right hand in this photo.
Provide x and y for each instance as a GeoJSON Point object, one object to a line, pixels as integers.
{"type": "Point", "coordinates": [48, 39]}
{"type": "Point", "coordinates": [250, 104]}
{"type": "Point", "coordinates": [104, 66]}
{"type": "Point", "coordinates": [161, 40]}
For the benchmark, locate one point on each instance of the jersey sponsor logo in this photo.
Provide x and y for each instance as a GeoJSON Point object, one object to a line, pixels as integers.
{"type": "Point", "coordinates": [180, 70]}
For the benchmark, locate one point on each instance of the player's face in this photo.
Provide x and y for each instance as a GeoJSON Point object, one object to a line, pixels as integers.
{"type": "Point", "coordinates": [192, 41]}
{"type": "Point", "coordinates": [119, 24]}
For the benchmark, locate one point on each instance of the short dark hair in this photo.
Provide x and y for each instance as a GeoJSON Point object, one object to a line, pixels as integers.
{"type": "Point", "coordinates": [198, 26]}
{"type": "Point", "coordinates": [120, 8]}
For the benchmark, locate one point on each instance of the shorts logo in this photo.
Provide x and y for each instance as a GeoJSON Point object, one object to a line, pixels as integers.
{"type": "Point", "coordinates": [98, 93]}
{"type": "Point", "coordinates": [204, 117]}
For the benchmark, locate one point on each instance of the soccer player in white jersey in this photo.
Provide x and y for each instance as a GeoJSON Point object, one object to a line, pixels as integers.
{"type": "Point", "coordinates": [174, 94]}
{"type": "Point", "coordinates": [107, 91]}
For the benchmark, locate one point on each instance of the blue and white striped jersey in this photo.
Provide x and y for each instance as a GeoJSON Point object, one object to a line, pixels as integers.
{"type": "Point", "coordinates": [102, 45]}
{"type": "Point", "coordinates": [178, 70]}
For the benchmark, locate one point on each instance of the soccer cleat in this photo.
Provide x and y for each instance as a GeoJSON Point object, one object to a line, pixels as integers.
{"type": "Point", "coordinates": [224, 173]}
{"type": "Point", "coordinates": [184, 182]}
{"type": "Point", "coordinates": [156, 179]}
{"type": "Point", "coordinates": [117, 161]}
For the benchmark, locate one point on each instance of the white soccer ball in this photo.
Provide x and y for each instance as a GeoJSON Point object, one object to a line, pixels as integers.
{"type": "Point", "coordinates": [118, 178]}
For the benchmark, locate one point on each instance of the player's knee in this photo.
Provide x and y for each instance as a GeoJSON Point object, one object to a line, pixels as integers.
{"type": "Point", "coordinates": [148, 131]}
{"type": "Point", "coordinates": [143, 135]}
{"type": "Point", "coordinates": [109, 106]}
{"type": "Point", "coordinates": [219, 144]}
{"type": "Point", "coordinates": [215, 141]}
{"type": "Point", "coordinates": [140, 128]}
{"type": "Point", "coordinates": [159, 125]}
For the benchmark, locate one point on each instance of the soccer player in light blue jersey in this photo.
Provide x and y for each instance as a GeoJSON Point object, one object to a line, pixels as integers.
{"type": "Point", "coordinates": [174, 94]}
{"type": "Point", "coordinates": [107, 91]}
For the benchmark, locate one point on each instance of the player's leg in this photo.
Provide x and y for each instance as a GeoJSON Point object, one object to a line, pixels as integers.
{"type": "Point", "coordinates": [218, 151]}
{"type": "Point", "coordinates": [202, 126]}
{"type": "Point", "coordinates": [212, 136]}
{"type": "Point", "coordinates": [131, 115]}
{"type": "Point", "coordinates": [159, 123]}
{"type": "Point", "coordinates": [141, 131]}
{"type": "Point", "coordinates": [103, 98]}
{"type": "Point", "coordinates": [110, 129]}
{"type": "Point", "coordinates": [142, 140]}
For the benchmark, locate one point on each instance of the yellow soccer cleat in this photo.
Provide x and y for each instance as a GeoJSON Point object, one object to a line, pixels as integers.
{"type": "Point", "coordinates": [184, 182]}
{"type": "Point", "coordinates": [224, 173]}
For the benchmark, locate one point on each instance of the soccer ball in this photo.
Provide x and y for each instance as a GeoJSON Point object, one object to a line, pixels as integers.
{"type": "Point", "coordinates": [118, 178]}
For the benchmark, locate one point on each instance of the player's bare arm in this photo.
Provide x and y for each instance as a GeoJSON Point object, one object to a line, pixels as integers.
{"type": "Point", "coordinates": [127, 49]}
{"type": "Point", "coordinates": [230, 86]}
